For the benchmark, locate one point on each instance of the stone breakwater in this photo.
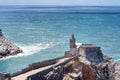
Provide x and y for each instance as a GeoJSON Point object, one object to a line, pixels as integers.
{"type": "Point", "coordinates": [7, 48]}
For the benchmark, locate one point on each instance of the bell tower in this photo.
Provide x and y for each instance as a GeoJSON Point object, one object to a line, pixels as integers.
{"type": "Point", "coordinates": [73, 47]}
{"type": "Point", "coordinates": [72, 42]}
{"type": "Point", "coordinates": [1, 33]}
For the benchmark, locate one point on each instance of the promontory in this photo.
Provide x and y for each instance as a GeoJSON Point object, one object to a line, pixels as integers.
{"type": "Point", "coordinates": [7, 48]}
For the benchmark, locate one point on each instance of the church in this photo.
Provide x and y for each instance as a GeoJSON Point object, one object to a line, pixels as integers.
{"type": "Point", "coordinates": [90, 51]}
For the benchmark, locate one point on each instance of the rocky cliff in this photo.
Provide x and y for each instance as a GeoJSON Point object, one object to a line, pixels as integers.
{"type": "Point", "coordinates": [7, 48]}
{"type": "Point", "coordinates": [89, 63]}
{"type": "Point", "coordinates": [107, 69]}
{"type": "Point", "coordinates": [82, 69]}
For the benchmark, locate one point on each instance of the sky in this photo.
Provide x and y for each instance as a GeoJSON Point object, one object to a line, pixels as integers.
{"type": "Point", "coordinates": [62, 2]}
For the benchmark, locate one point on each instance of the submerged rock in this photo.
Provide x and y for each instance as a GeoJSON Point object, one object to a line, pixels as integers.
{"type": "Point", "coordinates": [7, 48]}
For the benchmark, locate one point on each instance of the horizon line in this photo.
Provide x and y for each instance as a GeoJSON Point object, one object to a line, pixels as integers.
{"type": "Point", "coordinates": [63, 5]}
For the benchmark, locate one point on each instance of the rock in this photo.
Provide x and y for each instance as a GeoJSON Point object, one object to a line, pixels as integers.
{"type": "Point", "coordinates": [104, 67]}
{"type": "Point", "coordinates": [0, 56]}
{"type": "Point", "coordinates": [88, 63]}
{"type": "Point", "coordinates": [7, 48]}
{"type": "Point", "coordinates": [107, 69]}
{"type": "Point", "coordinates": [76, 70]}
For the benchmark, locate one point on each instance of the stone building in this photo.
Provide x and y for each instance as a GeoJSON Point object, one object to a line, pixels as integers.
{"type": "Point", "coordinates": [90, 51]}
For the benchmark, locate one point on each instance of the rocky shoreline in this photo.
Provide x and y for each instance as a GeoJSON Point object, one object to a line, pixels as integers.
{"type": "Point", "coordinates": [96, 66]}
{"type": "Point", "coordinates": [7, 48]}
{"type": "Point", "coordinates": [78, 69]}
{"type": "Point", "coordinates": [107, 69]}
{"type": "Point", "coordinates": [87, 62]}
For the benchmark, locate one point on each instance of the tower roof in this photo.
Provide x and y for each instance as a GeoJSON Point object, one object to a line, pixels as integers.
{"type": "Point", "coordinates": [72, 37]}
{"type": "Point", "coordinates": [1, 32]}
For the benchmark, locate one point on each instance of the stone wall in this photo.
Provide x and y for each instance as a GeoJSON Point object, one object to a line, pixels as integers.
{"type": "Point", "coordinates": [36, 66]}
{"type": "Point", "coordinates": [67, 53]}
{"type": "Point", "coordinates": [91, 53]}
{"type": "Point", "coordinates": [5, 76]}
{"type": "Point", "coordinates": [40, 75]}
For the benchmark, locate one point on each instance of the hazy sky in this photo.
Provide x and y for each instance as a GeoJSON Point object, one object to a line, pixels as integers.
{"type": "Point", "coordinates": [60, 2]}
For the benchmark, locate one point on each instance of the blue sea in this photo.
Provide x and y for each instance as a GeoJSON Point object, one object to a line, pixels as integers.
{"type": "Point", "coordinates": [43, 32]}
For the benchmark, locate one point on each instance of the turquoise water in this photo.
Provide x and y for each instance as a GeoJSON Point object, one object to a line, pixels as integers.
{"type": "Point", "coordinates": [43, 32]}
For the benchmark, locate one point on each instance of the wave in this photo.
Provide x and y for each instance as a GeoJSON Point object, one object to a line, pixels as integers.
{"type": "Point", "coordinates": [30, 49]}
{"type": "Point", "coordinates": [117, 60]}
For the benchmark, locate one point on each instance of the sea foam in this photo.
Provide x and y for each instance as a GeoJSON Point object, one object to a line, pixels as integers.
{"type": "Point", "coordinates": [117, 60]}
{"type": "Point", "coordinates": [30, 49]}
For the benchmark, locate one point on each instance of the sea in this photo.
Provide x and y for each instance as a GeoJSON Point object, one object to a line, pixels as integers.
{"type": "Point", "coordinates": [43, 32]}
